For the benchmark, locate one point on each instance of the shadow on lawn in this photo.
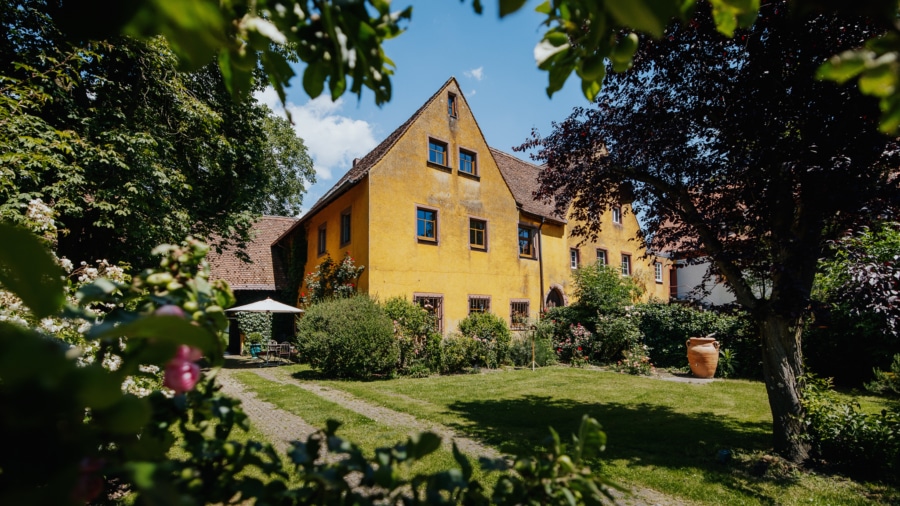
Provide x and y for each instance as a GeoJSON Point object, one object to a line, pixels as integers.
{"type": "Point", "coordinates": [644, 435]}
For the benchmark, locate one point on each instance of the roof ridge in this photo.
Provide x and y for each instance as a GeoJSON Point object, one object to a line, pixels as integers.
{"type": "Point", "coordinates": [362, 165]}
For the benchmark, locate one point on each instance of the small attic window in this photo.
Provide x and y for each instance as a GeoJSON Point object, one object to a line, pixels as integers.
{"type": "Point", "coordinates": [451, 104]}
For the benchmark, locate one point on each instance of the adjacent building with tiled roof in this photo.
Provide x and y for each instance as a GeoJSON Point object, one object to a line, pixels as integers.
{"type": "Point", "coordinates": [261, 274]}
{"type": "Point", "coordinates": [437, 216]}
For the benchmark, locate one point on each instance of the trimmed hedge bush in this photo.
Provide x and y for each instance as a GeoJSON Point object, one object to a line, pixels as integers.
{"type": "Point", "coordinates": [348, 338]}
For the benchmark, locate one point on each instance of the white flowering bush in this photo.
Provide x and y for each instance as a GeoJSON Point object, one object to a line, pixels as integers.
{"type": "Point", "coordinates": [83, 437]}
{"type": "Point", "coordinates": [331, 279]}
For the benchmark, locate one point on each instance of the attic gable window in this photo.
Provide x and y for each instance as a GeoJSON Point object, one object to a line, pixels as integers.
{"type": "Point", "coordinates": [467, 163]}
{"type": "Point", "coordinates": [451, 105]}
{"type": "Point", "coordinates": [617, 215]}
{"type": "Point", "coordinates": [437, 152]}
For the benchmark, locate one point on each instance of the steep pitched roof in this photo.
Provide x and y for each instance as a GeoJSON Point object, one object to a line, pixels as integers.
{"type": "Point", "coordinates": [362, 166]}
{"type": "Point", "coordinates": [265, 272]}
{"type": "Point", "coordinates": [522, 179]}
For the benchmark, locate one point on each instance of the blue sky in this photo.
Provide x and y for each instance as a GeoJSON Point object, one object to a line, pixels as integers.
{"type": "Point", "coordinates": [492, 59]}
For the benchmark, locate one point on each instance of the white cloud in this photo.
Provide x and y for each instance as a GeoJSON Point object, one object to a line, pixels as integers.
{"type": "Point", "coordinates": [333, 140]}
{"type": "Point", "coordinates": [477, 74]}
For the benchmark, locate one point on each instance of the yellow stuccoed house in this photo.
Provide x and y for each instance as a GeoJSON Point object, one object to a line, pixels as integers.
{"type": "Point", "coordinates": [437, 216]}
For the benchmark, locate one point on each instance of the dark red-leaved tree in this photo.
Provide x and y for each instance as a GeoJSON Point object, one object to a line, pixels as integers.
{"type": "Point", "coordinates": [731, 148]}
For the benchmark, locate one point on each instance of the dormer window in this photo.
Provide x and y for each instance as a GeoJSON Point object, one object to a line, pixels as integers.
{"type": "Point", "coordinates": [451, 105]}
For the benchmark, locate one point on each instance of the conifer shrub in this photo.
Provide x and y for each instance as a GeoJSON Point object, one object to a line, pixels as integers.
{"type": "Point", "coordinates": [492, 335]}
{"type": "Point", "coordinates": [348, 338]}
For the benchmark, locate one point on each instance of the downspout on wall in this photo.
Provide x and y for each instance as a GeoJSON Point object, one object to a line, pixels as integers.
{"type": "Point", "coordinates": [541, 262]}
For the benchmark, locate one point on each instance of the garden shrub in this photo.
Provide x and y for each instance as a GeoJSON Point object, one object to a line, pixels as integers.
{"type": "Point", "coordinates": [666, 328]}
{"type": "Point", "coordinates": [635, 360]}
{"type": "Point", "coordinates": [348, 338]}
{"type": "Point", "coordinates": [843, 437]}
{"type": "Point", "coordinates": [614, 335]}
{"type": "Point", "coordinates": [573, 344]}
{"type": "Point", "coordinates": [331, 280]}
{"type": "Point", "coordinates": [886, 382]}
{"type": "Point", "coordinates": [458, 353]}
{"type": "Point", "coordinates": [419, 342]}
{"type": "Point", "coordinates": [492, 335]}
{"type": "Point", "coordinates": [603, 290]}
{"type": "Point", "coordinates": [521, 346]}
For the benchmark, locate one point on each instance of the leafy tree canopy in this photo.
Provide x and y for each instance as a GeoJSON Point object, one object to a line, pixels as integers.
{"type": "Point", "coordinates": [341, 42]}
{"type": "Point", "coordinates": [128, 151]}
{"type": "Point", "coordinates": [732, 147]}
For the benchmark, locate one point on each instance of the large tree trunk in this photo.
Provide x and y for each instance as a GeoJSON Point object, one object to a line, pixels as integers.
{"type": "Point", "coordinates": [782, 369]}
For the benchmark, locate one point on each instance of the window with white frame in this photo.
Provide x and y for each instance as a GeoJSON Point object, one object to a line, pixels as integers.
{"type": "Point", "coordinates": [658, 272]}
{"type": "Point", "coordinates": [626, 264]}
{"type": "Point", "coordinates": [601, 257]}
{"type": "Point", "coordinates": [573, 258]}
{"type": "Point", "coordinates": [617, 215]}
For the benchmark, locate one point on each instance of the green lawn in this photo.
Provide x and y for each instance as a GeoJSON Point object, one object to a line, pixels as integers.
{"type": "Point", "coordinates": [661, 435]}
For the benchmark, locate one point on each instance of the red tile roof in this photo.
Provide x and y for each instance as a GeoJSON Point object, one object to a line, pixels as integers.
{"type": "Point", "coordinates": [265, 272]}
{"type": "Point", "coordinates": [522, 179]}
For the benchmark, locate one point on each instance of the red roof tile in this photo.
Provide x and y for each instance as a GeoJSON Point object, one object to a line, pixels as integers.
{"type": "Point", "coordinates": [522, 179]}
{"type": "Point", "coordinates": [265, 272]}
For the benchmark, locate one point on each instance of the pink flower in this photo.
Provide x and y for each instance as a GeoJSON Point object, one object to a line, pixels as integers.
{"type": "Point", "coordinates": [189, 353]}
{"type": "Point", "coordinates": [169, 310]}
{"type": "Point", "coordinates": [181, 372]}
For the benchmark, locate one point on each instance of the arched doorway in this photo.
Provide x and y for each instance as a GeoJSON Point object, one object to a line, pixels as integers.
{"type": "Point", "coordinates": [555, 298]}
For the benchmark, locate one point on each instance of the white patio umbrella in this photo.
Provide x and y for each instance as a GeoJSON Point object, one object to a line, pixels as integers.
{"type": "Point", "coordinates": [267, 306]}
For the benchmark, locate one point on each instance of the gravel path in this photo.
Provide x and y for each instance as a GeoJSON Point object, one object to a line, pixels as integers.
{"type": "Point", "coordinates": [282, 427]}
{"type": "Point", "coordinates": [382, 415]}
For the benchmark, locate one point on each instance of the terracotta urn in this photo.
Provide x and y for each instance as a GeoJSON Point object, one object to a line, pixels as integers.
{"type": "Point", "coordinates": [703, 356]}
